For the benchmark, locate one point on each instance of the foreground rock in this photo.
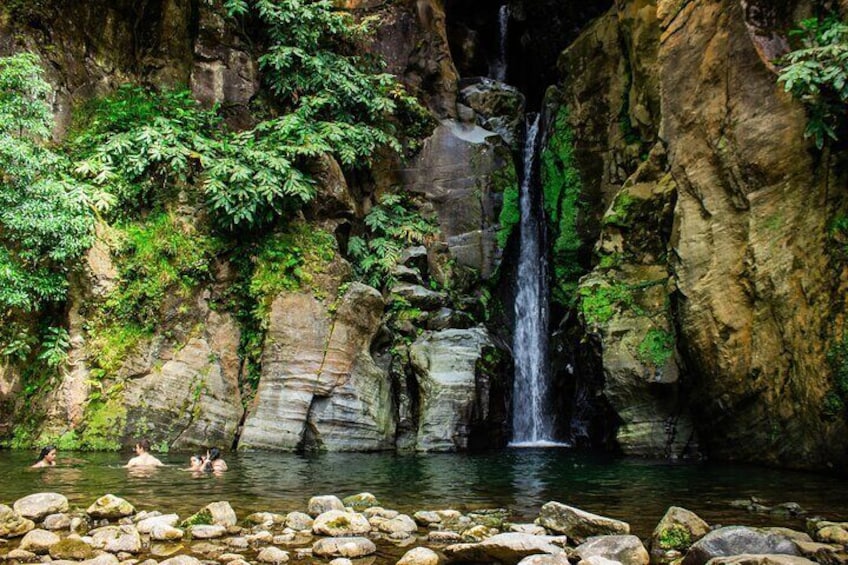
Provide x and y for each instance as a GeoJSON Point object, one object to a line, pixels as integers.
{"type": "Point", "coordinates": [344, 547]}
{"type": "Point", "coordinates": [578, 524]}
{"type": "Point", "coordinates": [319, 504]}
{"type": "Point", "coordinates": [513, 547]}
{"type": "Point", "coordinates": [675, 533]}
{"type": "Point", "coordinates": [272, 555]}
{"type": "Point", "coordinates": [110, 507]}
{"type": "Point", "coordinates": [74, 549]}
{"type": "Point", "coordinates": [37, 506]}
{"type": "Point", "coordinates": [38, 541]}
{"type": "Point", "coordinates": [747, 559]}
{"type": "Point", "coordinates": [627, 550]}
{"type": "Point", "coordinates": [146, 526]}
{"type": "Point", "coordinates": [419, 556]}
{"type": "Point", "coordinates": [222, 514]}
{"type": "Point", "coordinates": [117, 539]}
{"type": "Point", "coordinates": [738, 540]}
{"type": "Point", "coordinates": [12, 524]}
{"type": "Point", "coordinates": [338, 523]}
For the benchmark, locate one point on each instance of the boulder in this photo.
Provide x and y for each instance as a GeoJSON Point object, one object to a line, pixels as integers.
{"type": "Point", "coordinates": [625, 549]}
{"type": "Point", "coordinates": [341, 561]}
{"type": "Point", "coordinates": [38, 541]}
{"type": "Point", "coordinates": [532, 529]}
{"type": "Point", "coordinates": [749, 559]}
{"type": "Point", "coordinates": [445, 367]}
{"type": "Point", "coordinates": [578, 524]}
{"type": "Point", "coordinates": [300, 521]}
{"type": "Point", "coordinates": [339, 523]}
{"type": "Point", "coordinates": [71, 548]}
{"type": "Point", "coordinates": [400, 524]}
{"type": "Point", "coordinates": [555, 559]}
{"type": "Point", "coordinates": [272, 555]}
{"type": "Point", "coordinates": [360, 501]}
{"type": "Point", "coordinates": [833, 534]}
{"type": "Point", "coordinates": [12, 524]}
{"type": "Point", "coordinates": [510, 548]}
{"type": "Point", "coordinates": [499, 108]}
{"type": "Point", "coordinates": [265, 519]}
{"type": "Point", "coordinates": [444, 537]}
{"type": "Point", "coordinates": [165, 532]}
{"type": "Point", "coordinates": [597, 560]}
{"type": "Point", "coordinates": [738, 540]}
{"type": "Point", "coordinates": [222, 514]}
{"type": "Point", "coordinates": [675, 533]}
{"type": "Point", "coordinates": [419, 297]}
{"type": "Point", "coordinates": [116, 539]}
{"type": "Point", "coordinates": [351, 547]}
{"type": "Point", "coordinates": [146, 525]}
{"type": "Point", "coordinates": [56, 522]}
{"type": "Point", "coordinates": [419, 556]}
{"type": "Point", "coordinates": [22, 556]}
{"type": "Point", "coordinates": [181, 560]}
{"type": "Point", "coordinates": [426, 518]}
{"type": "Point", "coordinates": [110, 507]}
{"type": "Point", "coordinates": [37, 506]}
{"type": "Point", "coordinates": [207, 531]}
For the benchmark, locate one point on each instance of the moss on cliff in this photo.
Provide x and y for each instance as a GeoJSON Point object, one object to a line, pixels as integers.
{"type": "Point", "coordinates": [561, 186]}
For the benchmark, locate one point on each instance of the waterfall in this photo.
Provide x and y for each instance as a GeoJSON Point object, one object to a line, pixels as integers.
{"type": "Point", "coordinates": [532, 422]}
{"type": "Point", "coordinates": [498, 67]}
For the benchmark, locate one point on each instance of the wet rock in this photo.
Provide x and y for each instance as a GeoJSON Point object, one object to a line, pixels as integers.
{"type": "Point", "coordinates": [351, 547]}
{"type": "Point", "coordinates": [738, 540]}
{"type": "Point", "coordinates": [12, 524]}
{"type": "Point", "coordinates": [22, 555]}
{"type": "Point", "coordinates": [56, 522]}
{"type": "Point", "coordinates": [500, 108]}
{"type": "Point", "coordinates": [401, 524]}
{"type": "Point", "coordinates": [272, 555]}
{"type": "Point", "coordinates": [445, 366]}
{"type": "Point", "coordinates": [146, 525]}
{"type": "Point", "coordinates": [380, 513]}
{"type": "Point", "coordinates": [578, 524]}
{"type": "Point", "coordinates": [207, 549]}
{"type": "Point", "coordinates": [227, 557]}
{"type": "Point", "coordinates": [70, 548]}
{"type": "Point", "coordinates": [259, 538]}
{"type": "Point", "coordinates": [556, 559]}
{"type": "Point", "coordinates": [339, 523]}
{"type": "Point", "coordinates": [116, 539]}
{"type": "Point", "coordinates": [181, 560]}
{"type": "Point", "coordinates": [419, 556]}
{"type": "Point", "coordinates": [478, 533]}
{"type": "Point", "coordinates": [444, 536]}
{"type": "Point", "coordinates": [222, 514]}
{"type": "Point", "coordinates": [38, 541]}
{"type": "Point", "coordinates": [833, 534]}
{"type": "Point", "coordinates": [511, 548]}
{"type": "Point", "coordinates": [626, 549]}
{"type": "Point", "coordinates": [531, 529]}
{"type": "Point", "coordinates": [102, 559]}
{"type": "Point", "coordinates": [265, 519]}
{"type": "Point", "coordinates": [598, 560]}
{"type": "Point", "coordinates": [746, 559]}
{"type": "Point", "coordinates": [426, 518]}
{"type": "Point", "coordinates": [204, 531]}
{"type": "Point", "coordinates": [37, 506]}
{"type": "Point", "coordinates": [110, 507]}
{"type": "Point", "coordinates": [418, 297]}
{"type": "Point", "coordinates": [300, 521]}
{"type": "Point", "coordinates": [822, 552]}
{"type": "Point", "coordinates": [361, 501]}
{"type": "Point", "coordinates": [676, 532]}
{"type": "Point", "coordinates": [165, 532]}
{"type": "Point", "coordinates": [341, 561]}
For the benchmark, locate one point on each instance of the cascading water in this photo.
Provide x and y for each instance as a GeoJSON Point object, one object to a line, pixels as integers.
{"type": "Point", "coordinates": [498, 67]}
{"type": "Point", "coordinates": [532, 422]}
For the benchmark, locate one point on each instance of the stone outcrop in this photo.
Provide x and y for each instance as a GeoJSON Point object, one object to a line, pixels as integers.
{"type": "Point", "coordinates": [445, 365]}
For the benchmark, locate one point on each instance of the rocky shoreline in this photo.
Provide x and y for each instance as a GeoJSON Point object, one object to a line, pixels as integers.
{"type": "Point", "coordinates": [43, 528]}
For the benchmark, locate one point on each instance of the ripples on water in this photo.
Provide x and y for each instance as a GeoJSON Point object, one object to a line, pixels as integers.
{"type": "Point", "coordinates": [637, 491]}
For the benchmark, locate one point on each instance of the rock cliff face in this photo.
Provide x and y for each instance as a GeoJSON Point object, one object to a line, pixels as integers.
{"type": "Point", "coordinates": [724, 223]}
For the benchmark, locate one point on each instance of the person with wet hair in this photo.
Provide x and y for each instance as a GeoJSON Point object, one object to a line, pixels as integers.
{"type": "Point", "coordinates": [195, 463]}
{"type": "Point", "coordinates": [143, 457]}
{"type": "Point", "coordinates": [47, 458]}
{"type": "Point", "coordinates": [214, 462]}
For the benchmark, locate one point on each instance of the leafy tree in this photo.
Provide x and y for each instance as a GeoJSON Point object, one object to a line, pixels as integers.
{"type": "Point", "coordinates": [45, 218]}
{"type": "Point", "coordinates": [393, 225]}
{"type": "Point", "coordinates": [817, 74]}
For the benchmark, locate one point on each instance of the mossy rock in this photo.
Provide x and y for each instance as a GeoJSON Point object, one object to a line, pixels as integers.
{"type": "Point", "coordinates": [70, 548]}
{"type": "Point", "coordinates": [202, 518]}
{"type": "Point", "coordinates": [361, 501]}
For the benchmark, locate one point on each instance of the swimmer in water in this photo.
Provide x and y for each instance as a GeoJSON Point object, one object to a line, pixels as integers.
{"type": "Point", "coordinates": [47, 458]}
{"type": "Point", "coordinates": [143, 458]}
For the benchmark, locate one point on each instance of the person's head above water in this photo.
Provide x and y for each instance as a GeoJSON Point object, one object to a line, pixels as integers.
{"type": "Point", "coordinates": [214, 453]}
{"type": "Point", "coordinates": [47, 456]}
{"type": "Point", "coordinates": [142, 446]}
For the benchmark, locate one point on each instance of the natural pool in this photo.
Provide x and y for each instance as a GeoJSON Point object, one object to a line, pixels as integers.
{"type": "Point", "coordinates": [634, 490]}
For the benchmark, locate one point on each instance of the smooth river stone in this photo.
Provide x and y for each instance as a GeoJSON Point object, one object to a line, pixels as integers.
{"type": "Point", "coordinates": [202, 531]}
{"type": "Point", "coordinates": [110, 507]}
{"type": "Point", "coordinates": [37, 506]}
{"type": "Point", "coordinates": [344, 547]}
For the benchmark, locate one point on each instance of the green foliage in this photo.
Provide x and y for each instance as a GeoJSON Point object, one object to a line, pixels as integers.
{"type": "Point", "coordinates": [836, 401]}
{"type": "Point", "coordinates": [111, 342]}
{"type": "Point", "coordinates": [202, 518]}
{"type": "Point", "coordinates": [393, 225]}
{"type": "Point", "coordinates": [105, 419]}
{"type": "Point", "coordinates": [156, 258]}
{"type": "Point", "coordinates": [675, 537]}
{"type": "Point", "coordinates": [620, 210]}
{"type": "Point", "coordinates": [562, 187]}
{"type": "Point", "coordinates": [45, 221]}
{"type": "Point", "coordinates": [657, 347]}
{"type": "Point", "coordinates": [54, 346]}
{"type": "Point", "coordinates": [816, 73]}
{"type": "Point", "coordinates": [288, 261]}
{"type": "Point", "coordinates": [598, 302]}
{"type": "Point", "coordinates": [506, 182]}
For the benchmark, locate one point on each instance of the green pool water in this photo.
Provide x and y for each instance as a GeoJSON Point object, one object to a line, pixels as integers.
{"type": "Point", "coordinates": [633, 490]}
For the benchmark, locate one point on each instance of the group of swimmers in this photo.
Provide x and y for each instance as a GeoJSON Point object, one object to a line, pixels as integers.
{"type": "Point", "coordinates": [212, 461]}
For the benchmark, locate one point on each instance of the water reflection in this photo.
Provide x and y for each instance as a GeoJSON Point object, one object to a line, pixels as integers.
{"type": "Point", "coordinates": [521, 480]}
